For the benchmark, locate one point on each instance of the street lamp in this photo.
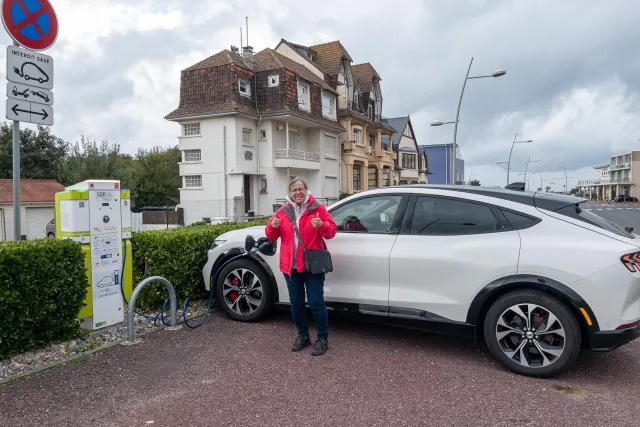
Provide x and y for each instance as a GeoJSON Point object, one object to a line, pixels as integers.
{"type": "Point", "coordinates": [514, 143]}
{"type": "Point", "coordinates": [497, 73]}
{"type": "Point", "coordinates": [525, 169]}
{"type": "Point", "coordinates": [565, 176]}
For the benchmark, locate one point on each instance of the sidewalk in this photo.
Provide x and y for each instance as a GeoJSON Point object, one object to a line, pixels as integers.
{"type": "Point", "coordinates": [228, 373]}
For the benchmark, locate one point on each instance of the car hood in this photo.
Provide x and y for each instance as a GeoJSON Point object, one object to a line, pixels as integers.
{"type": "Point", "coordinates": [241, 234]}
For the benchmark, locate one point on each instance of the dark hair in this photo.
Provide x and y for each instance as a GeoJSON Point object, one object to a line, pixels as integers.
{"type": "Point", "coordinates": [296, 179]}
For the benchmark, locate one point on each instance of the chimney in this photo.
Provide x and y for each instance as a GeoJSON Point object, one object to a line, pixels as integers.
{"type": "Point", "coordinates": [247, 54]}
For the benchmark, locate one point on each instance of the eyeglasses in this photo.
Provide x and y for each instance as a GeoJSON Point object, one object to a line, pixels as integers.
{"type": "Point", "coordinates": [298, 190]}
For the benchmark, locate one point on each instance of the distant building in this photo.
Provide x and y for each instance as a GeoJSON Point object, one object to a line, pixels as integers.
{"type": "Point", "coordinates": [37, 207]}
{"type": "Point", "coordinates": [617, 178]}
{"type": "Point", "coordinates": [439, 156]}
{"type": "Point", "coordinates": [410, 163]}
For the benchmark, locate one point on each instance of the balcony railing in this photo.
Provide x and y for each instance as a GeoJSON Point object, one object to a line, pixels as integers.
{"type": "Point", "coordinates": [616, 166]}
{"type": "Point", "coordinates": [590, 182]}
{"type": "Point", "coordinates": [297, 155]}
{"type": "Point", "coordinates": [617, 180]}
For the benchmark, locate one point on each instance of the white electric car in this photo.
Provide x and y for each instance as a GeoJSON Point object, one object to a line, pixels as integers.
{"type": "Point", "coordinates": [532, 274]}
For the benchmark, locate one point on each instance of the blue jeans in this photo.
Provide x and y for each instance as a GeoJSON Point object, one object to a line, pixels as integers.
{"type": "Point", "coordinates": [315, 294]}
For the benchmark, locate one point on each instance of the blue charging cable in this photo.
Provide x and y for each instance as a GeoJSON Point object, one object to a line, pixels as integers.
{"type": "Point", "coordinates": [161, 314]}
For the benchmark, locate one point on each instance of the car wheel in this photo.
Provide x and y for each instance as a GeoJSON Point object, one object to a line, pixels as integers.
{"type": "Point", "coordinates": [243, 291]}
{"type": "Point", "coordinates": [532, 333]}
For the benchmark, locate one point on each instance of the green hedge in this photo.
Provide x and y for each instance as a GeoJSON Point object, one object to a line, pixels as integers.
{"type": "Point", "coordinates": [43, 284]}
{"type": "Point", "coordinates": [178, 255]}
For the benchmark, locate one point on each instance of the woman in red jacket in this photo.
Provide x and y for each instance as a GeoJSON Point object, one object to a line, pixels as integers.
{"type": "Point", "coordinates": [314, 224]}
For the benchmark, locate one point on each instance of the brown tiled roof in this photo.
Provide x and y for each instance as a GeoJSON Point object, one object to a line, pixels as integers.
{"type": "Point", "coordinates": [295, 47]}
{"type": "Point", "coordinates": [225, 57]}
{"type": "Point", "coordinates": [269, 59]}
{"type": "Point", "coordinates": [363, 75]}
{"type": "Point", "coordinates": [31, 190]}
{"type": "Point", "coordinates": [206, 109]}
{"type": "Point", "coordinates": [330, 56]}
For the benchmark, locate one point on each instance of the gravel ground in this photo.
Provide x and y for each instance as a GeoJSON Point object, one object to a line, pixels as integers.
{"type": "Point", "coordinates": [229, 373]}
{"type": "Point", "coordinates": [58, 352]}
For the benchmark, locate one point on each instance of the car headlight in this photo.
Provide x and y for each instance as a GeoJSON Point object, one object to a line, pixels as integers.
{"type": "Point", "coordinates": [217, 243]}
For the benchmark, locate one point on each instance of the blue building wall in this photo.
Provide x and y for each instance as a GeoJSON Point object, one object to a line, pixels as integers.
{"type": "Point", "coordinates": [440, 164]}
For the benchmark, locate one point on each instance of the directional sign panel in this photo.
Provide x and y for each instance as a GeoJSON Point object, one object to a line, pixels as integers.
{"type": "Point", "coordinates": [29, 112]}
{"type": "Point", "coordinates": [29, 93]}
{"type": "Point", "coordinates": [29, 67]}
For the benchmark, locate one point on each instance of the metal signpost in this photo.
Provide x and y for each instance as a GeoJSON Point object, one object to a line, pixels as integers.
{"type": "Point", "coordinates": [33, 26]}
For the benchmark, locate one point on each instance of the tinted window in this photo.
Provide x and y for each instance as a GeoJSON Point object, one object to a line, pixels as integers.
{"type": "Point", "coordinates": [520, 222]}
{"type": "Point", "coordinates": [439, 216]}
{"type": "Point", "coordinates": [367, 215]}
{"type": "Point", "coordinates": [603, 223]}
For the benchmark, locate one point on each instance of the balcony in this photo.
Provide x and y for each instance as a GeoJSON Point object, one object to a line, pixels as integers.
{"type": "Point", "coordinates": [408, 173]}
{"type": "Point", "coordinates": [590, 182]}
{"type": "Point", "coordinates": [297, 159]}
{"type": "Point", "coordinates": [383, 156]}
{"type": "Point", "coordinates": [618, 166]}
{"type": "Point", "coordinates": [614, 180]}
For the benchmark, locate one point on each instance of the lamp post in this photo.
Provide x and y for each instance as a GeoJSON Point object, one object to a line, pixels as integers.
{"type": "Point", "coordinates": [525, 169]}
{"type": "Point", "coordinates": [511, 152]}
{"type": "Point", "coordinates": [566, 181]}
{"type": "Point", "coordinates": [497, 73]}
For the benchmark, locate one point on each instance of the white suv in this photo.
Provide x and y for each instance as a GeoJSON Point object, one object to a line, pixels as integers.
{"type": "Point", "coordinates": [532, 274]}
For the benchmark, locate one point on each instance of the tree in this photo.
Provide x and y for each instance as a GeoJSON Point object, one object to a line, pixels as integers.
{"type": "Point", "coordinates": [88, 160]}
{"type": "Point", "coordinates": [474, 182]}
{"type": "Point", "coordinates": [547, 188]}
{"type": "Point", "coordinates": [41, 153]}
{"type": "Point", "coordinates": [155, 177]}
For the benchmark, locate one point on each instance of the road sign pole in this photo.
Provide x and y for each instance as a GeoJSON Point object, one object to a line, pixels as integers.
{"type": "Point", "coordinates": [16, 177]}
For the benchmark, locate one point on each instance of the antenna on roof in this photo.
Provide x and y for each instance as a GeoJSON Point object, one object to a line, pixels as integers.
{"type": "Point", "coordinates": [247, 19]}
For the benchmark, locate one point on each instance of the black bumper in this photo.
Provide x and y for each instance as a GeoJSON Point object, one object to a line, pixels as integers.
{"type": "Point", "coordinates": [610, 340]}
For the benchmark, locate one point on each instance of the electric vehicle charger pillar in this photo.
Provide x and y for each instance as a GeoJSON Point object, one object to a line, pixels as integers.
{"type": "Point", "coordinates": [97, 214]}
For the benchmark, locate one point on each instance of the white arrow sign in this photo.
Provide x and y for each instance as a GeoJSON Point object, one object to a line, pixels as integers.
{"type": "Point", "coordinates": [29, 93]}
{"type": "Point", "coordinates": [29, 67]}
{"type": "Point", "coordinates": [29, 112]}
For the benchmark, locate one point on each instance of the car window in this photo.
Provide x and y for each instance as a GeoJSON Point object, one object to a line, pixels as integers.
{"type": "Point", "coordinates": [520, 222]}
{"type": "Point", "coordinates": [367, 215]}
{"type": "Point", "coordinates": [604, 223]}
{"type": "Point", "coordinates": [441, 216]}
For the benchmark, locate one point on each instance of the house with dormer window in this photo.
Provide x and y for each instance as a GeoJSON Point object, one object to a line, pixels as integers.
{"type": "Point", "coordinates": [249, 124]}
{"type": "Point", "coordinates": [411, 166]}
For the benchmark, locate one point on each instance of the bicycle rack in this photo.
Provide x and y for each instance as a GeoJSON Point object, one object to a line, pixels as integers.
{"type": "Point", "coordinates": [131, 332]}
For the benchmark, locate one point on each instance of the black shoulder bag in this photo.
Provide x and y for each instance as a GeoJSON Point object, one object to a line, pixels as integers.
{"type": "Point", "coordinates": [316, 261]}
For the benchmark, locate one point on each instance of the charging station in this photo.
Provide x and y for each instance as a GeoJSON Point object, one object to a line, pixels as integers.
{"type": "Point", "coordinates": [97, 214]}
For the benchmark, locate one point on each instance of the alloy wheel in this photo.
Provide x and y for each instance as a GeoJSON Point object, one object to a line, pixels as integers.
{"type": "Point", "coordinates": [242, 291]}
{"type": "Point", "coordinates": [530, 335]}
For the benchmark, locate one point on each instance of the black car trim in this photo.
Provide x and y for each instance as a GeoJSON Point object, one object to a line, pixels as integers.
{"type": "Point", "coordinates": [398, 316]}
{"type": "Point", "coordinates": [611, 340]}
{"type": "Point", "coordinates": [530, 281]}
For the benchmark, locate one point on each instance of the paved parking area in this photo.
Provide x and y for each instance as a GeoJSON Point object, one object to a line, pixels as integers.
{"type": "Point", "coordinates": [237, 374]}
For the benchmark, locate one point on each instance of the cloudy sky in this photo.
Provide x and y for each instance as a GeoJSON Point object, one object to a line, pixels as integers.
{"type": "Point", "coordinates": [571, 85]}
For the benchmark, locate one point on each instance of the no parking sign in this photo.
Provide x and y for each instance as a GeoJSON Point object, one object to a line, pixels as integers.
{"type": "Point", "coordinates": [31, 23]}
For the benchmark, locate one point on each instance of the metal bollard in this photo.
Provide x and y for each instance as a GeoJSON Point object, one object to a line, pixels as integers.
{"type": "Point", "coordinates": [131, 333]}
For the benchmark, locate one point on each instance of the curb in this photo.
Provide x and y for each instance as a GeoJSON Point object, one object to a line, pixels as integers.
{"type": "Point", "coordinates": [11, 378]}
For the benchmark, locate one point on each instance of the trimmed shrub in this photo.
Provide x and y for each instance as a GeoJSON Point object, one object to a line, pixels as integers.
{"type": "Point", "coordinates": [178, 255]}
{"type": "Point", "coordinates": [43, 284]}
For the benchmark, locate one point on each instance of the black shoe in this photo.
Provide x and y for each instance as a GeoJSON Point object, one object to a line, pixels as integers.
{"type": "Point", "coordinates": [320, 348]}
{"type": "Point", "coordinates": [301, 342]}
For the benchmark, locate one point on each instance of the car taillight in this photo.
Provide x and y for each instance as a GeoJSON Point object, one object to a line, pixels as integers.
{"type": "Point", "coordinates": [632, 262]}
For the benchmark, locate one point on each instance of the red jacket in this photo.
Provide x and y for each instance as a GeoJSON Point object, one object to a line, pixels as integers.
{"type": "Point", "coordinates": [312, 238]}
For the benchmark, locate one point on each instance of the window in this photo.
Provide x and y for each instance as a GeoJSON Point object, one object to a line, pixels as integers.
{"type": "Point", "coordinates": [371, 141]}
{"type": "Point", "coordinates": [263, 134]}
{"type": "Point", "coordinates": [386, 178]}
{"type": "Point", "coordinates": [274, 80]}
{"type": "Point", "coordinates": [356, 135]}
{"type": "Point", "coordinates": [191, 129]}
{"type": "Point", "coordinates": [408, 161]}
{"type": "Point", "coordinates": [331, 149]}
{"type": "Point", "coordinates": [192, 155]}
{"type": "Point", "coordinates": [330, 186]}
{"type": "Point", "coordinates": [327, 106]}
{"type": "Point", "coordinates": [303, 96]}
{"type": "Point", "coordinates": [193, 181]}
{"type": "Point", "coordinates": [372, 110]}
{"type": "Point", "coordinates": [246, 136]}
{"type": "Point", "coordinates": [367, 215]}
{"type": "Point", "coordinates": [356, 178]}
{"type": "Point", "coordinates": [245, 88]}
{"type": "Point", "coordinates": [437, 216]}
{"type": "Point", "coordinates": [520, 222]}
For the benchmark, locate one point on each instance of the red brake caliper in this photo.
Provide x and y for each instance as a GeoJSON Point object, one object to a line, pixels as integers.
{"type": "Point", "coordinates": [233, 294]}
